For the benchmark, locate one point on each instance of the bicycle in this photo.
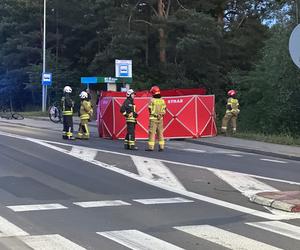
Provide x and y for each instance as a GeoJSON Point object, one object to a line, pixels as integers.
{"type": "Point", "coordinates": [55, 114]}
{"type": "Point", "coordinates": [9, 114]}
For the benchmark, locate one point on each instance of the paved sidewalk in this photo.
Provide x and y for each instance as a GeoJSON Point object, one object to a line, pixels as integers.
{"type": "Point", "coordinates": [45, 123]}
{"type": "Point", "coordinates": [250, 146]}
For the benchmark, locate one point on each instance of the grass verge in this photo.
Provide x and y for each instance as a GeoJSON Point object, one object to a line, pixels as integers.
{"type": "Point", "coordinates": [284, 139]}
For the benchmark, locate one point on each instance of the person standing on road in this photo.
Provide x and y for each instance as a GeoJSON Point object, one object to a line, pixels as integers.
{"type": "Point", "coordinates": [67, 112]}
{"type": "Point", "coordinates": [157, 110]}
{"type": "Point", "coordinates": [232, 111]}
{"type": "Point", "coordinates": [129, 111]}
{"type": "Point", "coordinates": [85, 113]}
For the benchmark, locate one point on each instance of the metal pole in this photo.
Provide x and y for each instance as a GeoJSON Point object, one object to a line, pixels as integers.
{"type": "Point", "coordinates": [44, 100]}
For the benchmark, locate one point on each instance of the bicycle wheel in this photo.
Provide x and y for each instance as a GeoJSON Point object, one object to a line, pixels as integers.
{"type": "Point", "coordinates": [17, 116]}
{"type": "Point", "coordinates": [54, 114]}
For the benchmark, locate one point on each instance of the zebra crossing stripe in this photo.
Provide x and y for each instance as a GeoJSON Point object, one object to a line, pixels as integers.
{"type": "Point", "coordinates": [9, 230]}
{"type": "Point", "coordinates": [278, 227]}
{"type": "Point", "coordinates": [137, 240]}
{"type": "Point", "coordinates": [26, 208]}
{"type": "Point", "coordinates": [225, 238]}
{"type": "Point", "coordinates": [90, 204]}
{"type": "Point", "coordinates": [162, 201]}
{"type": "Point", "coordinates": [50, 242]}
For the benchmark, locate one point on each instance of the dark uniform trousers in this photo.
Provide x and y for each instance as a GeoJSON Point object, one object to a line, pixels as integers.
{"type": "Point", "coordinates": [130, 136]}
{"type": "Point", "coordinates": [67, 126]}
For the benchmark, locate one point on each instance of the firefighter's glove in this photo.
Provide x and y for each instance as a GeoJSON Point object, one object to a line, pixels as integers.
{"type": "Point", "coordinates": [135, 115]}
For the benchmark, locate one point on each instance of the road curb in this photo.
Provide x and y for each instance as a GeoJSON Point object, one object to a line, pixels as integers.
{"type": "Point", "coordinates": [247, 150]}
{"type": "Point", "coordinates": [261, 200]}
{"type": "Point", "coordinates": [288, 201]}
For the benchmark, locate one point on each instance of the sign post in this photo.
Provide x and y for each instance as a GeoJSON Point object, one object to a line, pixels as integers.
{"type": "Point", "coordinates": [44, 90]}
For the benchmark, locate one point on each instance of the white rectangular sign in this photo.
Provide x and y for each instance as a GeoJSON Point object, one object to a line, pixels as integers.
{"type": "Point", "coordinates": [123, 68]}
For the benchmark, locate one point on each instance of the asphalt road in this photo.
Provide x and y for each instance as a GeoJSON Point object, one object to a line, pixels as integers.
{"type": "Point", "coordinates": [57, 194]}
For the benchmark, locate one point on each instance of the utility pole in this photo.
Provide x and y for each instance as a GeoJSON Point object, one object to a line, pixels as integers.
{"type": "Point", "coordinates": [44, 95]}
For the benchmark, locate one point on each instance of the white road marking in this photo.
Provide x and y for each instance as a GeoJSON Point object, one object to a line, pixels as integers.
{"type": "Point", "coordinates": [193, 195]}
{"type": "Point", "coordinates": [247, 185]}
{"type": "Point", "coordinates": [175, 190]}
{"type": "Point", "coordinates": [194, 150]}
{"type": "Point", "coordinates": [235, 155]}
{"type": "Point", "coordinates": [90, 204]}
{"type": "Point", "coordinates": [166, 161]}
{"type": "Point", "coordinates": [225, 238]}
{"type": "Point", "coordinates": [83, 153]}
{"type": "Point", "coordinates": [278, 227]}
{"type": "Point", "coordinates": [162, 201]}
{"type": "Point", "coordinates": [137, 240]}
{"type": "Point", "coordinates": [281, 213]}
{"type": "Point", "coordinates": [50, 242]}
{"type": "Point", "coordinates": [156, 171]}
{"type": "Point", "coordinates": [271, 160]}
{"type": "Point", "coordinates": [25, 208]}
{"type": "Point", "coordinates": [9, 229]}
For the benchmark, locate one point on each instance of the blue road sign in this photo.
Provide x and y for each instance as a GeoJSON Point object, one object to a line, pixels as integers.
{"type": "Point", "coordinates": [47, 79]}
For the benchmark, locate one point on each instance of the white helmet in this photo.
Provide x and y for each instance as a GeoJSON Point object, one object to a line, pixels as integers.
{"type": "Point", "coordinates": [130, 92]}
{"type": "Point", "coordinates": [67, 89]}
{"type": "Point", "coordinates": [83, 95]}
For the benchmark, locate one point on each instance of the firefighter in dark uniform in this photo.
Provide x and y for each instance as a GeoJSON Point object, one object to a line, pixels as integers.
{"type": "Point", "coordinates": [157, 110]}
{"type": "Point", "coordinates": [129, 112]}
{"type": "Point", "coordinates": [85, 113]}
{"type": "Point", "coordinates": [232, 111]}
{"type": "Point", "coordinates": [67, 112]}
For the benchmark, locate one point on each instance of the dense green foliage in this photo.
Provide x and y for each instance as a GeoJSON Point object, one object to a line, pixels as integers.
{"type": "Point", "coordinates": [218, 44]}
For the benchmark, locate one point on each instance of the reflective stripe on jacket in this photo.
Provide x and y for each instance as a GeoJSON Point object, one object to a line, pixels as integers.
{"type": "Point", "coordinates": [67, 105]}
{"type": "Point", "coordinates": [157, 108]}
{"type": "Point", "coordinates": [232, 106]}
{"type": "Point", "coordinates": [128, 110]}
{"type": "Point", "coordinates": [86, 110]}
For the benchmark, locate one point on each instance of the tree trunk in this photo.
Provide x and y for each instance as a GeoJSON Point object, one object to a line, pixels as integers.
{"type": "Point", "coordinates": [162, 46]}
{"type": "Point", "coordinates": [147, 48]}
{"type": "Point", "coordinates": [162, 35]}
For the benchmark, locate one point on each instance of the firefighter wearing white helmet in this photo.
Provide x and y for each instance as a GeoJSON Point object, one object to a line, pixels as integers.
{"type": "Point", "coordinates": [129, 111]}
{"type": "Point", "coordinates": [67, 112]}
{"type": "Point", "coordinates": [85, 113]}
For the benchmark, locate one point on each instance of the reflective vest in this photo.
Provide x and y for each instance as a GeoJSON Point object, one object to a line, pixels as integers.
{"type": "Point", "coordinates": [128, 110]}
{"type": "Point", "coordinates": [157, 108]}
{"type": "Point", "coordinates": [86, 110]}
{"type": "Point", "coordinates": [67, 105]}
{"type": "Point", "coordinates": [232, 106]}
